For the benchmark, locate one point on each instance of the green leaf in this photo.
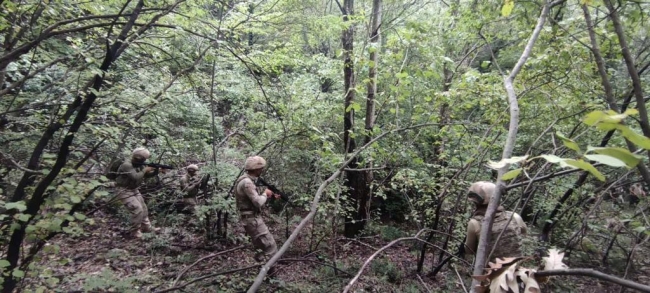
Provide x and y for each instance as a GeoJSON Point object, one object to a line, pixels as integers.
{"type": "Point", "coordinates": [18, 273]}
{"type": "Point", "coordinates": [552, 158]}
{"type": "Point", "coordinates": [568, 142]}
{"type": "Point", "coordinates": [353, 106]}
{"type": "Point", "coordinates": [607, 160]}
{"type": "Point", "coordinates": [504, 162]}
{"type": "Point", "coordinates": [609, 117]}
{"type": "Point", "coordinates": [4, 263]}
{"type": "Point", "coordinates": [639, 229]}
{"type": "Point", "coordinates": [24, 217]}
{"type": "Point", "coordinates": [79, 216]}
{"type": "Point", "coordinates": [634, 137]}
{"type": "Point", "coordinates": [584, 166]}
{"type": "Point", "coordinates": [75, 199]}
{"type": "Point", "coordinates": [511, 174]}
{"type": "Point", "coordinates": [630, 159]}
{"type": "Point", "coordinates": [507, 7]}
{"type": "Point", "coordinates": [19, 205]}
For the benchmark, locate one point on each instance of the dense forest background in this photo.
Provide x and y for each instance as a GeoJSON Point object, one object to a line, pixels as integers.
{"type": "Point", "coordinates": [374, 116]}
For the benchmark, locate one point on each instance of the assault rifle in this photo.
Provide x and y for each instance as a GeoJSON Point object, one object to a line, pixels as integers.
{"type": "Point", "coordinates": [460, 254]}
{"type": "Point", "coordinates": [284, 196]}
{"type": "Point", "coordinates": [155, 165]}
{"type": "Point", "coordinates": [261, 182]}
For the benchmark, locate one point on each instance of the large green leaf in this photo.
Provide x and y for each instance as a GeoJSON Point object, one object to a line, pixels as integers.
{"type": "Point", "coordinates": [568, 142]}
{"type": "Point", "coordinates": [552, 158]}
{"type": "Point", "coordinates": [584, 166]}
{"type": "Point", "coordinates": [630, 159]}
{"type": "Point", "coordinates": [504, 162]}
{"type": "Point", "coordinates": [634, 137]}
{"type": "Point", "coordinates": [607, 160]}
{"type": "Point", "coordinates": [508, 5]}
{"type": "Point", "coordinates": [511, 174]}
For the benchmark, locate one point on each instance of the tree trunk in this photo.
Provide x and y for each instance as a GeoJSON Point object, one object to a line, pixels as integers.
{"type": "Point", "coordinates": [39, 194]}
{"type": "Point", "coordinates": [631, 69]}
{"type": "Point", "coordinates": [355, 182]}
{"type": "Point", "coordinates": [486, 226]}
{"type": "Point", "coordinates": [607, 87]}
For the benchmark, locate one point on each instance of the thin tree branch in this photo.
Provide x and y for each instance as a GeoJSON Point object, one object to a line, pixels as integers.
{"type": "Point", "coordinates": [202, 259]}
{"type": "Point", "coordinates": [594, 274]}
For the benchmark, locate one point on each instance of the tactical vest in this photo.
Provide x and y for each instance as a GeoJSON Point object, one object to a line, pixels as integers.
{"type": "Point", "coordinates": [244, 204]}
{"type": "Point", "coordinates": [509, 243]}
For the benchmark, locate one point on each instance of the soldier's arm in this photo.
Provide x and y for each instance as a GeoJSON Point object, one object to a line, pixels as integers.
{"type": "Point", "coordinates": [520, 222]}
{"type": "Point", "coordinates": [471, 242]}
{"type": "Point", "coordinates": [129, 171]}
{"type": "Point", "coordinates": [150, 172]}
{"type": "Point", "coordinates": [251, 192]}
{"type": "Point", "coordinates": [183, 183]}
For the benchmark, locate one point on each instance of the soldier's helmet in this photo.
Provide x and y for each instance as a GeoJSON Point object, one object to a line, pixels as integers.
{"type": "Point", "coordinates": [480, 192]}
{"type": "Point", "coordinates": [192, 168]}
{"type": "Point", "coordinates": [141, 153]}
{"type": "Point", "coordinates": [254, 163]}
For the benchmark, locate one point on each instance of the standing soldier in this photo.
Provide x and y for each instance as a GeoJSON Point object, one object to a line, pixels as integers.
{"type": "Point", "coordinates": [250, 199]}
{"type": "Point", "coordinates": [509, 244]}
{"type": "Point", "coordinates": [129, 177]}
{"type": "Point", "coordinates": [190, 184]}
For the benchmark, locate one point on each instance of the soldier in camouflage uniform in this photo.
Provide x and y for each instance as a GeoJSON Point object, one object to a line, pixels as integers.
{"type": "Point", "coordinates": [130, 175]}
{"type": "Point", "coordinates": [509, 244]}
{"type": "Point", "coordinates": [190, 184]}
{"type": "Point", "coordinates": [250, 199]}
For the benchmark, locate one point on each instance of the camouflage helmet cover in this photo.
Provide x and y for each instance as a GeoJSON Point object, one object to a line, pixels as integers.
{"type": "Point", "coordinates": [480, 192]}
{"type": "Point", "coordinates": [254, 163]}
{"type": "Point", "coordinates": [141, 153]}
{"type": "Point", "coordinates": [192, 167]}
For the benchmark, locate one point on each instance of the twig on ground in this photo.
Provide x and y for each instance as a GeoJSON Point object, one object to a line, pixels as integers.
{"type": "Point", "coordinates": [460, 279]}
{"type": "Point", "coordinates": [208, 276]}
{"type": "Point", "coordinates": [202, 259]}
{"type": "Point", "coordinates": [316, 262]}
{"type": "Point", "coordinates": [367, 262]}
{"type": "Point", "coordinates": [423, 283]}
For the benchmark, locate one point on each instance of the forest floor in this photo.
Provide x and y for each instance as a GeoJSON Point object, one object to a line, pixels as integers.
{"type": "Point", "coordinates": [102, 259]}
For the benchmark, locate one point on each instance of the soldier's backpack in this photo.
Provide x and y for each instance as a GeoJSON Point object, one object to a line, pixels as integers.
{"type": "Point", "coordinates": [509, 243]}
{"type": "Point", "coordinates": [113, 168]}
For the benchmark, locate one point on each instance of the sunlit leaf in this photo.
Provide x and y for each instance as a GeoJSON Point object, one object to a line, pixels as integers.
{"type": "Point", "coordinates": [584, 166]}
{"type": "Point", "coordinates": [508, 5]}
{"type": "Point", "coordinates": [634, 137]}
{"type": "Point", "coordinates": [504, 162]}
{"type": "Point", "coordinates": [552, 158]}
{"type": "Point", "coordinates": [568, 142]}
{"type": "Point", "coordinates": [511, 174]}
{"type": "Point", "coordinates": [630, 159]}
{"type": "Point", "coordinates": [607, 160]}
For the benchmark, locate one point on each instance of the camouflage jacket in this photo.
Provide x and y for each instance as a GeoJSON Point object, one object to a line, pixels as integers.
{"type": "Point", "coordinates": [249, 198]}
{"type": "Point", "coordinates": [130, 177]}
{"type": "Point", "coordinates": [190, 185]}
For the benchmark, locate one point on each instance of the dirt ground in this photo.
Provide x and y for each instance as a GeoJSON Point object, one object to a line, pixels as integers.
{"type": "Point", "coordinates": [104, 260]}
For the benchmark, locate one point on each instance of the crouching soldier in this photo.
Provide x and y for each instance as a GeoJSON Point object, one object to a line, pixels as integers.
{"type": "Point", "coordinates": [190, 184]}
{"type": "Point", "coordinates": [509, 244]}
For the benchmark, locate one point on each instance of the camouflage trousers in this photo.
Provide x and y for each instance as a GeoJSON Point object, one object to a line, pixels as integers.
{"type": "Point", "coordinates": [190, 203]}
{"type": "Point", "coordinates": [134, 203]}
{"type": "Point", "coordinates": [262, 239]}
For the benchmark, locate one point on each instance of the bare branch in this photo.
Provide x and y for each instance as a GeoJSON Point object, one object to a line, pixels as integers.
{"type": "Point", "coordinates": [594, 274]}
{"type": "Point", "coordinates": [202, 259]}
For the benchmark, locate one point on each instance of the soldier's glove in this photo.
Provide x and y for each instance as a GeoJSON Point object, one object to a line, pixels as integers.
{"type": "Point", "coordinates": [149, 169]}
